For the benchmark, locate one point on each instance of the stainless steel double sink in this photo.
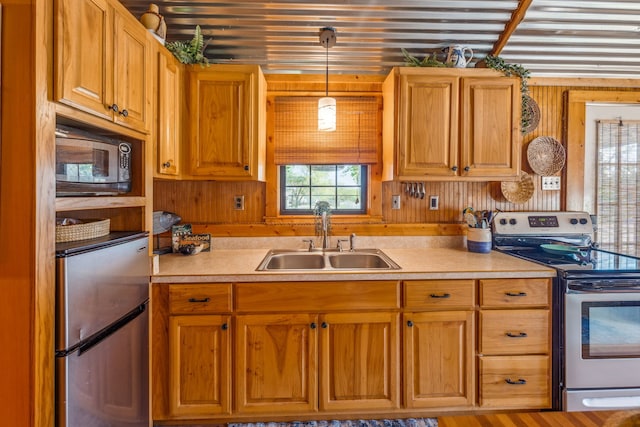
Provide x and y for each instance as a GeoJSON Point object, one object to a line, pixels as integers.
{"type": "Point", "coordinates": [359, 259]}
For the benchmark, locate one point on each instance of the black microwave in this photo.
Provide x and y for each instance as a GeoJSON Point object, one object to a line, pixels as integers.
{"type": "Point", "coordinates": [91, 165]}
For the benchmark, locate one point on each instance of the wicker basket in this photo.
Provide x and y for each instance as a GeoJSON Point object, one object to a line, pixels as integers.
{"type": "Point", "coordinates": [518, 191]}
{"type": "Point", "coordinates": [546, 156]}
{"type": "Point", "coordinates": [530, 114]}
{"type": "Point", "coordinates": [87, 229]}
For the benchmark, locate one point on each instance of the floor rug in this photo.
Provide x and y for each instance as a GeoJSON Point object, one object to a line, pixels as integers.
{"type": "Point", "coordinates": [407, 422]}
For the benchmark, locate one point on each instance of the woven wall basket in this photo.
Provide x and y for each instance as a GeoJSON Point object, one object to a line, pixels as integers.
{"type": "Point", "coordinates": [518, 191]}
{"type": "Point", "coordinates": [87, 229]}
{"type": "Point", "coordinates": [546, 156]}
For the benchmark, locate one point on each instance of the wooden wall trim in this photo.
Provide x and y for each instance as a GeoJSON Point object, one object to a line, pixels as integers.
{"type": "Point", "coordinates": [584, 82]}
{"type": "Point", "coordinates": [576, 102]}
{"type": "Point", "coordinates": [337, 229]}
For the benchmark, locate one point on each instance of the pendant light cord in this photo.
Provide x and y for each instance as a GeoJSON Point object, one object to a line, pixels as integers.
{"type": "Point", "coordinates": [327, 74]}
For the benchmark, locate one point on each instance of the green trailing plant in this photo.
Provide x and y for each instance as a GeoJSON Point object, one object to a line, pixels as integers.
{"type": "Point", "coordinates": [190, 52]}
{"type": "Point", "coordinates": [499, 64]}
{"type": "Point", "coordinates": [427, 61]}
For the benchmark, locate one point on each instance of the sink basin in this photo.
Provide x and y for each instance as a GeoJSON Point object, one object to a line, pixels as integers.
{"type": "Point", "coordinates": [358, 260]}
{"type": "Point", "coordinates": [295, 261]}
{"type": "Point", "coordinates": [361, 259]}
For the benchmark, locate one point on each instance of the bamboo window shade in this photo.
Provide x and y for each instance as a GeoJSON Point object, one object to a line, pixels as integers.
{"type": "Point", "coordinates": [357, 138]}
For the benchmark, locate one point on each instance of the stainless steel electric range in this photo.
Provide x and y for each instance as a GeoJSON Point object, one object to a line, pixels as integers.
{"type": "Point", "coordinates": [596, 307]}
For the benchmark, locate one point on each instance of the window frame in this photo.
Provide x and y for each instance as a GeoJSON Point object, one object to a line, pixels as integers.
{"type": "Point", "coordinates": [364, 192]}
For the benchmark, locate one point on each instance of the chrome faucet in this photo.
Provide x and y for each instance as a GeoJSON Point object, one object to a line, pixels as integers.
{"type": "Point", "coordinates": [326, 225]}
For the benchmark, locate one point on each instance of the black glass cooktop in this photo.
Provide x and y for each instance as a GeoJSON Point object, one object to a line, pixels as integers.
{"type": "Point", "coordinates": [595, 260]}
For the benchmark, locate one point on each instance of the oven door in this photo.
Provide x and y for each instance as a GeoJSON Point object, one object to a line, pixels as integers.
{"type": "Point", "coordinates": [602, 340]}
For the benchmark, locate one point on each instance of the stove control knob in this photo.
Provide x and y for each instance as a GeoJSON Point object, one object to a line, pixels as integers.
{"type": "Point", "coordinates": [583, 221]}
{"type": "Point", "coordinates": [512, 221]}
{"type": "Point", "coordinates": [573, 221]}
{"type": "Point", "coordinates": [503, 221]}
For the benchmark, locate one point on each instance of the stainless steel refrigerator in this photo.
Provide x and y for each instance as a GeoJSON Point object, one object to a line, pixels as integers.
{"type": "Point", "coordinates": [102, 332]}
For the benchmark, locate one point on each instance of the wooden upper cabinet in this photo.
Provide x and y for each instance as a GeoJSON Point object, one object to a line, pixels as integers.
{"type": "Point", "coordinates": [101, 62]}
{"type": "Point", "coordinates": [227, 111]}
{"type": "Point", "coordinates": [168, 103]}
{"type": "Point", "coordinates": [451, 124]}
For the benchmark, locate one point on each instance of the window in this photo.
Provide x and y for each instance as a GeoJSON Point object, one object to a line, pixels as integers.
{"type": "Point", "coordinates": [618, 185]}
{"type": "Point", "coordinates": [344, 187]}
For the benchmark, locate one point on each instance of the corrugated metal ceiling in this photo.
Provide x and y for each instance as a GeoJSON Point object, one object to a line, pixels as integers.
{"type": "Point", "coordinates": [556, 37]}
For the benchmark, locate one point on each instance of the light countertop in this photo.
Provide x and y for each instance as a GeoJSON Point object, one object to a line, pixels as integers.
{"type": "Point", "coordinates": [239, 265]}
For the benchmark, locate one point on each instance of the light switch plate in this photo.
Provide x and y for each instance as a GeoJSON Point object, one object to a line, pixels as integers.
{"type": "Point", "coordinates": [395, 201]}
{"type": "Point", "coordinates": [433, 203]}
{"type": "Point", "coordinates": [550, 183]}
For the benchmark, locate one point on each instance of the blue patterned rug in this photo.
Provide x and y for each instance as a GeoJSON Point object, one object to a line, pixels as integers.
{"type": "Point", "coordinates": [408, 422]}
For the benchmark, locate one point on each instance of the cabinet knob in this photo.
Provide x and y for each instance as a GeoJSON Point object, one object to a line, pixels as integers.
{"type": "Point", "coordinates": [519, 381]}
{"type": "Point", "coordinates": [124, 113]}
{"type": "Point", "coordinates": [224, 326]}
{"type": "Point", "coordinates": [409, 323]}
{"type": "Point", "coordinates": [113, 107]}
{"type": "Point", "coordinates": [313, 325]}
{"type": "Point", "coordinates": [454, 168]}
{"type": "Point", "coordinates": [516, 335]}
{"type": "Point", "coordinates": [324, 325]}
{"type": "Point", "coordinates": [166, 164]}
{"type": "Point", "coordinates": [467, 168]}
{"type": "Point", "coordinates": [246, 167]}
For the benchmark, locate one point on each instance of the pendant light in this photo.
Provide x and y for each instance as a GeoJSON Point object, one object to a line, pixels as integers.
{"type": "Point", "coordinates": [327, 105]}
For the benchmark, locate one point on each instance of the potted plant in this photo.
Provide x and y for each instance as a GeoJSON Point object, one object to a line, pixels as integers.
{"type": "Point", "coordinates": [190, 52]}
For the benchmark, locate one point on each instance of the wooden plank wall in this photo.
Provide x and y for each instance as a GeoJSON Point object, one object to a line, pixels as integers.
{"type": "Point", "coordinates": [212, 202]}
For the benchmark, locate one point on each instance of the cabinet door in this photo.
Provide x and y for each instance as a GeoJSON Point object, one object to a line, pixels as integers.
{"type": "Point", "coordinates": [276, 363]}
{"type": "Point", "coordinates": [359, 361]}
{"type": "Point", "coordinates": [131, 58]}
{"type": "Point", "coordinates": [438, 359]}
{"type": "Point", "coordinates": [221, 123]}
{"type": "Point", "coordinates": [490, 121]}
{"type": "Point", "coordinates": [428, 126]}
{"type": "Point", "coordinates": [84, 55]}
{"type": "Point", "coordinates": [168, 102]}
{"type": "Point", "coordinates": [199, 365]}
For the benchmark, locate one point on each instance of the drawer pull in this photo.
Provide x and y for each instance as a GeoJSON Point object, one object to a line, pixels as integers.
{"type": "Point", "coordinates": [516, 294]}
{"type": "Point", "coordinates": [516, 335]}
{"type": "Point", "coordinates": [517, 382]}
{"type": "Point", "coordinates": [445, 295]}
{"type": "Point", "coordinates": [206, 299]}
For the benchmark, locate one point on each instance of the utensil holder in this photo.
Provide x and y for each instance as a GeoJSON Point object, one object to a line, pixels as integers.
{"type": "Point", "coordinates": [479, 240]}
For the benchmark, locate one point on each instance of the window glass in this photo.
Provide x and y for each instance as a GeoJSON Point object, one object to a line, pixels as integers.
{"type": "Point", "coordinates": [342, 186]}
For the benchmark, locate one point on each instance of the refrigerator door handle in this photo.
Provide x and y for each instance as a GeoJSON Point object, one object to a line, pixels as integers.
{"type": "Point", "coordinates": [98, 337]}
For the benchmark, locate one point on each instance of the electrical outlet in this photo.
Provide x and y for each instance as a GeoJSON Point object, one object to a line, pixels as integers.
{"type": "Point", "coordinates": [238, 203]}
{"type": "Point", "coordinates": [433, 203]}
{"type": "Point", "coordinates": [551, 183]}
{"type": "Point", "coordinates": [395, 201]}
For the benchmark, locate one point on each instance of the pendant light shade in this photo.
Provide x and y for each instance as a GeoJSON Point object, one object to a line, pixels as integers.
{"type": "Point", "coordinates": [327, 105]}
{"type": "Point", "coordinates": [327, 114]}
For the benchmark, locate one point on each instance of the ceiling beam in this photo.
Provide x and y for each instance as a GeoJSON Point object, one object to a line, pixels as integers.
{"type": "Point", "coordinates": [516, 17]}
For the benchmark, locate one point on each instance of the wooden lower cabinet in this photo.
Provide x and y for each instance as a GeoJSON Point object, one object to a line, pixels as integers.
{"type": "Point", "coordinates": [199, 365]}
{"type": "Point", "coordinates": [269, 351]}
{"type": "Point", "coordinates": [439, 359]}
{"type": "Point", "coordinates": [359, 361]}
{"type": "Point", "coordinates": [276, 363]}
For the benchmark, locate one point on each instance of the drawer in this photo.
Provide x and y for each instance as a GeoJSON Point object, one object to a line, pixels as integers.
{"type": "Point", "coordinates": [317, 296]}
{"type": "Point", "coordinates": [434, 294]}
{"type": "Point", "coordinates": [515, 332]}
{"type": "Point", "coordinates": [515, 381]}
{"type": "Point", "coordinates": [515, 292]}
{"type": "Point", "coordinates": [199, 298]}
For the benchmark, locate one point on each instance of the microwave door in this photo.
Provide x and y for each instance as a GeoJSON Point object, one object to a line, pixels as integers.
{"type": "Point", "coordinates": [82, 161]}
